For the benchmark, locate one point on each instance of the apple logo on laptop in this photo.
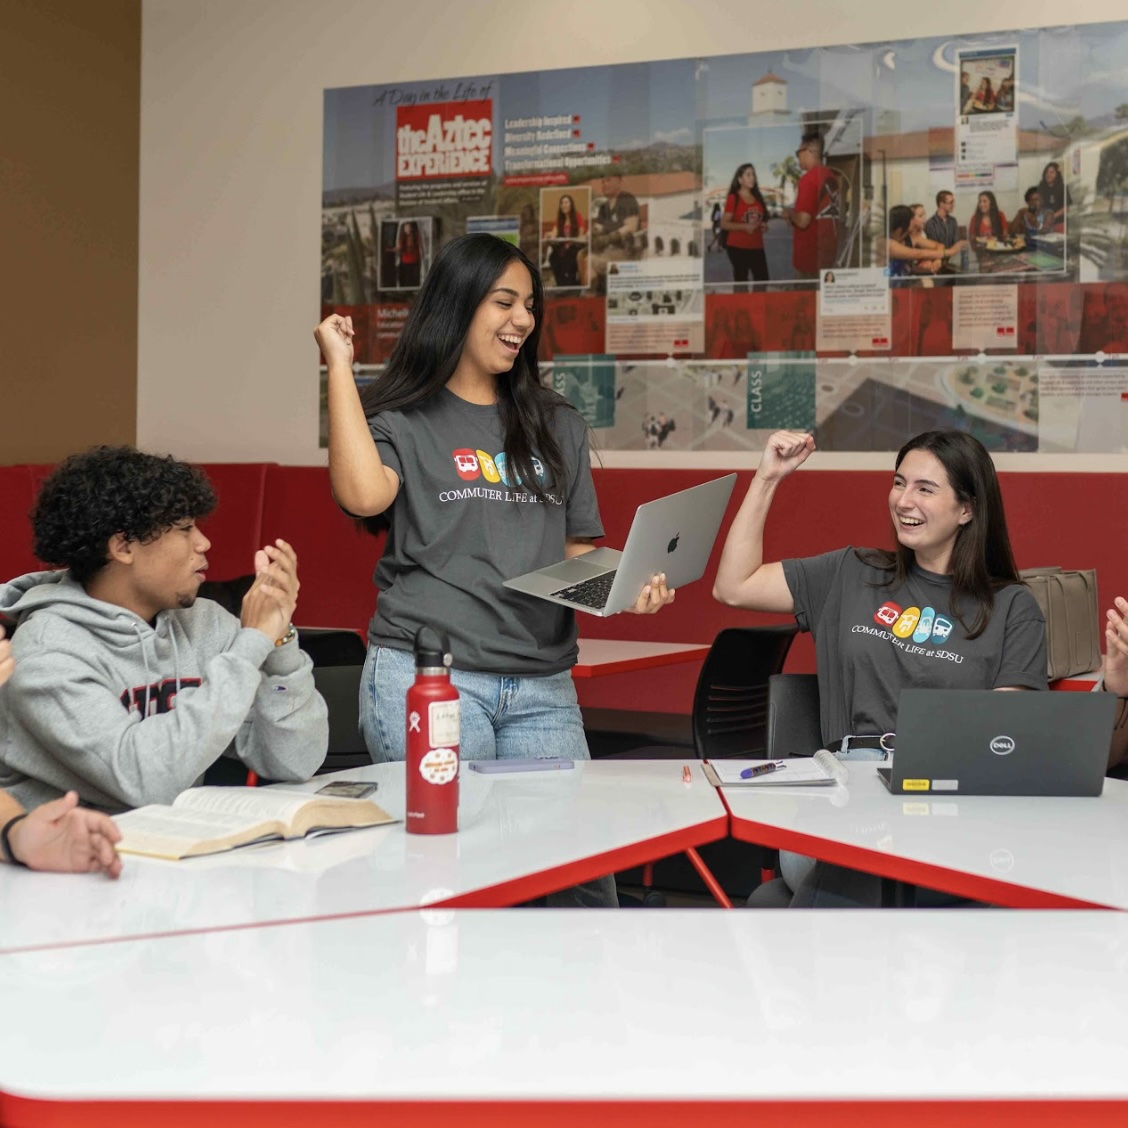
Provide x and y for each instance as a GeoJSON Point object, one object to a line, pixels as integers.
{"type": "Point", "coordinates": [673, 543]}
{"type": "Point", "coordinates": [1002, 745]}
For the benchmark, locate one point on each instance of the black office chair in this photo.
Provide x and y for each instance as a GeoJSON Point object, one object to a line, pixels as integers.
{"type": "Point", "coordinates": [730, 706]}
{"type": "Point", "coordinates": [340, 686]}
{"type": "Point", "coordinates": [332, 646]}
{"type": "Point", "coordinates": [793, 716]}
{"type": "Point", "coordinates": [730, 703]}
{"type": "Point", "coordinates": [338, 659]}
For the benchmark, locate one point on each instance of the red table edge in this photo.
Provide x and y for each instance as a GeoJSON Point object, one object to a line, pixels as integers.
{"type": "Point", "coordinates": [28, 1112]}
{"type": "Point", "coordinates": [500, 896]}
{"type": "Point", "coordinates": [927, 874]}
{"type": "Point", "coordinates": [199, 930]}
{"type": "Point", "coordinates": [650, 662]}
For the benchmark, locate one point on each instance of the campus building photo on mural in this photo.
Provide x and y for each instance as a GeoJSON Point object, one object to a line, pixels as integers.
{"type": "Point", "coordinates": [864, 241]}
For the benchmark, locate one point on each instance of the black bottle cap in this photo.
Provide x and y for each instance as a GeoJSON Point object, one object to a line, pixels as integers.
{"type": "Point", "coordinates": [434, 652]}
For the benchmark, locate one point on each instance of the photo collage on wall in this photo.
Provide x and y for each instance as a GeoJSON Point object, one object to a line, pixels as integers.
{"type": "Point", "coordinates": [862, 241]}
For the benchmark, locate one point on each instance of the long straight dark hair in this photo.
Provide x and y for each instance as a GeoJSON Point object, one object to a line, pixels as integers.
{"type": "Point", "coordinates": [982, 561]}
{"type": "Point", "coordinates": [993, 216]}
{"type": "Point", "coordinates": [427, 353]}
{"type": "Point", "coordinates": [1053, 195]}
{"type": "Point", "coordinates": [573, 217]}
{"type": "Point", "coordinates": [734, 187]}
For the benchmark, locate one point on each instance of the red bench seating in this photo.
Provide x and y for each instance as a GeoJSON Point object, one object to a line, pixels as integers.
{"type": "Point", "coordinates": [1055, 518]}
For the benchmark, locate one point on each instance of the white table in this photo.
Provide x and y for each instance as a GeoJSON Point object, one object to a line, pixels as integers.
{"type": "Point", "coordinates": [1025, 852]}
{"type": "Point", "coordinates": [552, 1018]}
{"type": "Point", "coordinates": [602, 656]}
{"type": "Point", "coordinates": [521, 836]}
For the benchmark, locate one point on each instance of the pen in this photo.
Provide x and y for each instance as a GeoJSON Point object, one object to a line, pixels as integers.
{"type": "Point", "coordinates": [687, 775]}
{"type": "Point", "coordinates": [762, 769]}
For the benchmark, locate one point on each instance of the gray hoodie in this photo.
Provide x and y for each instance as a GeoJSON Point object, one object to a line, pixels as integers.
{"type": "Point", "coordinates": [126, 713]}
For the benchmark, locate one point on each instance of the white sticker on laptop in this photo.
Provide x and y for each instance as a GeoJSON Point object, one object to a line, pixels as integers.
{"type": "Point", "coordinates": [945, 785]}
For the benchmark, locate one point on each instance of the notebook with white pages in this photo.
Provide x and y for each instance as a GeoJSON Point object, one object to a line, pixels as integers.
{"type": "Point", "coordinates": [821, 769]}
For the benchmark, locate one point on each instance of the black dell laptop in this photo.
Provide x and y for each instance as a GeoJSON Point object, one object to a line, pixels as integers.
{"type": "Point", "coordinates": [983, 742]}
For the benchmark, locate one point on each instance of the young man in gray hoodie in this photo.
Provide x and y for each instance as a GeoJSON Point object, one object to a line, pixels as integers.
{"type": "Point", "coordinates": [126, 688]}
{"type": "Point", "coordinates": [58, 836]}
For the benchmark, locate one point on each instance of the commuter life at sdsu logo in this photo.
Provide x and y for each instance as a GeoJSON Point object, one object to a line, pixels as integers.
{"type": "Point", "coordinates": [474, 464]}
{"type": "Point", "coordinates": [922, 626]}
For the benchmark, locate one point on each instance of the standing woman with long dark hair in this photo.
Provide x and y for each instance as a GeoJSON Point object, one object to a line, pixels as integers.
{"type": "Point", "coordinates": [744, 219]}
{"type": "Point", "coordinates": [945, 610]}
{"type": "Point", "coordinates": [565, 243]}
{"type": "Point", "coordinates": [480, 474]}
{"type": "Point", "coordinates": [1053, 193]}
{"type": "Point", "coordinates": [409, 255]}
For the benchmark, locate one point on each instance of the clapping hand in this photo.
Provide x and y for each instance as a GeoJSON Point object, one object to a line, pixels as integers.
{"type": "Point", "coordinates": [1116, 648]}
{"type": "Point", "coordinates": [270, 604]}
{"type": "Point", "coordinates": [7, 662]}
{"type": "Point", "coordinates": [66, 838]}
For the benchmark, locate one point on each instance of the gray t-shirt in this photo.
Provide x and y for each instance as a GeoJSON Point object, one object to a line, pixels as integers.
{"type": "Point", "coordinates": [871, 642]}
{"type": "Point", "coordinates": [461, 524]}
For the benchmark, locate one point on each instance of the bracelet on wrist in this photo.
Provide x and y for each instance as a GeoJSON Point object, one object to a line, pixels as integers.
{"type": "Point", "coordinates": [5, 841]}
{"type": "Point", "coordinates": [289, 636]}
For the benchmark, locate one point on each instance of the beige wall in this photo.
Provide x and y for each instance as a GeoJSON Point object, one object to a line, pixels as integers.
{"type": "Point", "coordinates": [70, 98]}
{"type": "Point", "coordinates": [231, 166]}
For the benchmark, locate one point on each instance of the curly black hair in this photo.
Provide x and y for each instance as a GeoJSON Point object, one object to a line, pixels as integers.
{"type": "Point", "coordinates": [107, 490]}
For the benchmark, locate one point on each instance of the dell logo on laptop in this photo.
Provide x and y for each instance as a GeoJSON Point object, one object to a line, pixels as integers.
{"type": "Point", "coordinates": [1002, 745]}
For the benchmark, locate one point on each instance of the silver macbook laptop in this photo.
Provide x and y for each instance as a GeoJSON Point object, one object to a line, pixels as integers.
{"type": "Point", "coordinates": [981, 742]}
{"type": "Point", "coordinates": [673, 534]}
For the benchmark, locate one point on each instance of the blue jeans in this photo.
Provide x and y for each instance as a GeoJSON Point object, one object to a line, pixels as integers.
{"type": "Point", "coordinates": [503, 718]}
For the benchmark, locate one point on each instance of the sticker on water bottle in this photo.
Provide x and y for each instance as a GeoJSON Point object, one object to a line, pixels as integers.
{"type": "Point", "coordinates": [443, 719]}
{"type": "Point", "coordinates": [440, 765]}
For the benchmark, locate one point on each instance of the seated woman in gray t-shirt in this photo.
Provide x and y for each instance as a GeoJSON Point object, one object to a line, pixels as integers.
{"type": "Point", "coordinates": [945, 609]}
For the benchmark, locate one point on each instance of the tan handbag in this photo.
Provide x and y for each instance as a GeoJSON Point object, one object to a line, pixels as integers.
{"type": "Point", "coordinates": [1073, 630]}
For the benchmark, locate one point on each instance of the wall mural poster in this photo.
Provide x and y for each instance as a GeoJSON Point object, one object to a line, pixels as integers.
{"type": "Point", "coordinates": [868, 238]}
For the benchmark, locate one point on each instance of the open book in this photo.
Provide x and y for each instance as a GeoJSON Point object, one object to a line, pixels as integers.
{"type": "Point", "coordinates": [821, 768]}
{"type": "Point", "coordinates": [206, 820]}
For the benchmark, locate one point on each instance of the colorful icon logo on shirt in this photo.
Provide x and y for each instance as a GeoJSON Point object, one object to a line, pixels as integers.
{"type": "Point", "coordinates": [466, 463]}
{"type": "Point", "coordinates": [489, 467]}
{"type": "Point", "coordinates": [906, 624]}
{"type": "Point", "coordinates": [941, 629]}
{"type": "Point", "coordinates": [924, 627]}
{"type": "Point", "coordinates": [502, 464]}
{"type": "Point", "coordinates": [887, 614]}
{"type": "Point", "coordinates": [472, 464]}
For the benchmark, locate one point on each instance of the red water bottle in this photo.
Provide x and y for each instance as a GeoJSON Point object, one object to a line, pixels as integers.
{"type": "Point", "coordinates": [433, 715]}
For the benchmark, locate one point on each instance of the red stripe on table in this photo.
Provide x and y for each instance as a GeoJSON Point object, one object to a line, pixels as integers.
{"type": "Point", "coordinates": [23, 1112]}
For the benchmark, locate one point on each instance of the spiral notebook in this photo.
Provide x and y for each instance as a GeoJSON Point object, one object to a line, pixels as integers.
{"type": "Point", "coordinates": [819, 770]}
